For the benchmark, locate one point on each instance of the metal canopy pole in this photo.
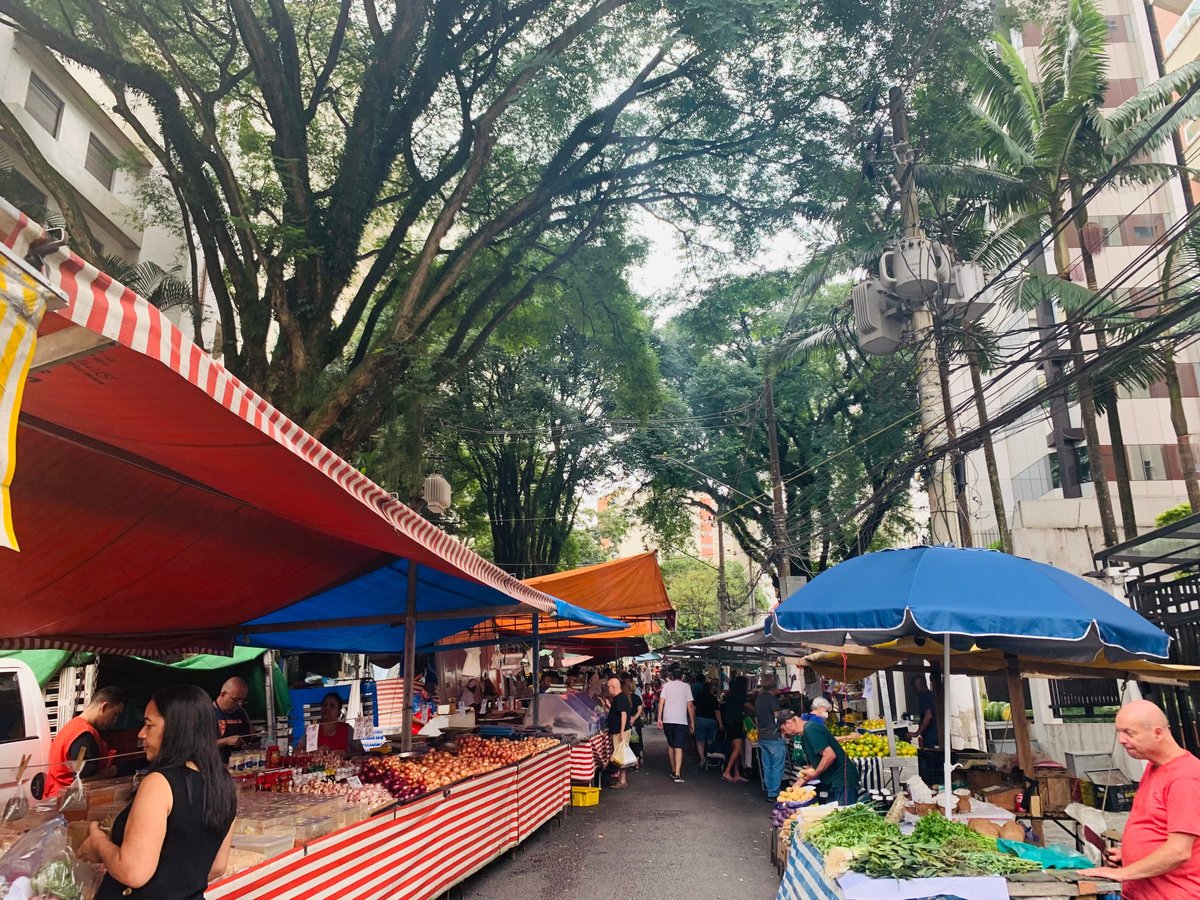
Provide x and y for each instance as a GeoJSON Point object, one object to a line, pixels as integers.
{"type": "Point", "coordinates": [268, 659]}
{"type": "Point", "coordinates": [537, 665]}
{"type": "Point", "coordinates": [946, 723]}
{"type": "Point", "coordinates": [410, 657]}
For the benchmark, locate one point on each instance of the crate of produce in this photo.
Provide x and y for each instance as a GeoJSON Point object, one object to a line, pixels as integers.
{"type": "Point", "coordinates": [585, 796]}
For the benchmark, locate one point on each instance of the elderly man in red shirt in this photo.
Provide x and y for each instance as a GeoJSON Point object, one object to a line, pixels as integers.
{"type": "Point", "coordinates": [1159, 856]}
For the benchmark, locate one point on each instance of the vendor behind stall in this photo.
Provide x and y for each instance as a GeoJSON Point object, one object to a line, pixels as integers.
{"type": "Point", "coordinates": [332, 733]}
{"type": "Point", "coordinates": [827, 761]}
{"type": "Point", "coordinates": [232, 720]}
{"type": "Point", "coordinates": [82, 735]}
{"type": "Point", "coordinates": [927, 726]}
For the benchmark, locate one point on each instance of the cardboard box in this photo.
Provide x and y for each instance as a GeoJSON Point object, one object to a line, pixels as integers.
{"type": "Point", "coordinates": [1002, 795]}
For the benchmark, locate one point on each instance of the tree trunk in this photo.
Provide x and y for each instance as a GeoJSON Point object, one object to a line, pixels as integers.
{"type": "Point", "coordinates": [1116, 433]}
{"type": "Point", "coordinates": [1187, 459]}
{"type": "Point", "coordinates": [722, 583]}
{"type": "Point", "coordinates": [1087, 406]}
{"type": "Point", "coordinates": [989, 456]}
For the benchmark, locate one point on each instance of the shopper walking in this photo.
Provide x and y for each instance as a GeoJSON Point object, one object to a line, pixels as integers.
{"type": "Point", "coordinates": [706, 720]}
{"type": "Point", "coordinates": [677, 718]}
{"type": "Point", "coordinates": [771, 747]}
{"type": "Point", "coordinates": [731, 720]}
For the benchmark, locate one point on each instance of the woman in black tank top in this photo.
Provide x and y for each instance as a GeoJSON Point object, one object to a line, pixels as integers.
{"type": "Point", "coordinates": [174, 837]}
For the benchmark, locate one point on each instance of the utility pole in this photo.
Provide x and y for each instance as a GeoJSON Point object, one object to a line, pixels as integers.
{"type": "Point", "coordinates": [778, 513]}
{"type": "Point", "coordinates": [939, 480]}
{"type": "Point", "coordinates": [722, 584]}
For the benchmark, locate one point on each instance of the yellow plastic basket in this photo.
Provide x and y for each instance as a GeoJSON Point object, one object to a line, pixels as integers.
{"type": "Point", "coordinates": [585, 796]}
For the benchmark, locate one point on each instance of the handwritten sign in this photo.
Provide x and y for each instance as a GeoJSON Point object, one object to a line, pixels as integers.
{"type": "Point", "coordinates": [310, 737]}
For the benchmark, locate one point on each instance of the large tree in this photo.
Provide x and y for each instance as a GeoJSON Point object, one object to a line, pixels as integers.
{"type": "Point", "coordinates": [357, 176]}
{"type": "Point", "coordinates": [844, 425]}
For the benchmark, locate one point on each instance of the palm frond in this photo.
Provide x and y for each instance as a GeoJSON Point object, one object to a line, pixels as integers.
{"type": "Point", "coordinates": [1139, 116]}
{"type": "Point", "coordinates": [1018, 237]}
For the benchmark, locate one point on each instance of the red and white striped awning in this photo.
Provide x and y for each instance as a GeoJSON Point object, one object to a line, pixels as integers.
{"type": "Point", "coordinates": [159, 502]}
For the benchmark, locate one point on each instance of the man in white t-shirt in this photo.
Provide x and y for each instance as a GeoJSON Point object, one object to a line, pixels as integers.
{"type": "Point", "coordinates": [677, 718]}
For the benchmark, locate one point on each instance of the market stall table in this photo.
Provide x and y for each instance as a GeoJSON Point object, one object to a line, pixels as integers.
{"type": "Point", "coordinates": [419, 849]}
{"type": "Point", "coordinates": [589, 757]}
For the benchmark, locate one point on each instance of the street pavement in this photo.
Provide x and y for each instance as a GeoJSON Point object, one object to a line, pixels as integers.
{"type": "Point", "coordinates": [704, 839]}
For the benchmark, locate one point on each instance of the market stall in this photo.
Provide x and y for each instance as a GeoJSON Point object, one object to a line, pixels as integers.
{"type": "Point", "coordinates": [972, 611]}
{"type": "Point", "coordinates": [147, 471]}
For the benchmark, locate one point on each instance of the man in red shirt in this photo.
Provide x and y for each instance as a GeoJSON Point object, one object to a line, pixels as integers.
{"type": "Point", "coordinates": [82, 735]}
{"type": "Point", "coordinates": [1159, 856]}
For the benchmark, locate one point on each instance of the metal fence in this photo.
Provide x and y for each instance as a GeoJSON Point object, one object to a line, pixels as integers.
{"type": "Point", "coordinates": [1173, 604]}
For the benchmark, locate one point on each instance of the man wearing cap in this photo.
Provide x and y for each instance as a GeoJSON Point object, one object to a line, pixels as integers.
{"type": "Point", "coordinates": [827, 761]}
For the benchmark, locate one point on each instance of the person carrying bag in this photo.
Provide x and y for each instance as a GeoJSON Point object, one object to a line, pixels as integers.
{"type": "Point", "coordinates": [619, 716]}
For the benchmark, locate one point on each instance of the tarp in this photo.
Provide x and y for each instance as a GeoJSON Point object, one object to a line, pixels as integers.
{"type": "Point", "coordinates": [378, 602]}
{"type": "Point", "coordinates": [628, 588]}
{"type": "Point", "coordinates": [160, 503]}
{"type": "Point", "coordinates": [45, 663]}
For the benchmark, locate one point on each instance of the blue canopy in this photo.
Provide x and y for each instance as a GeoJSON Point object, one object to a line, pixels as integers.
{"type": "Point", "coordinates": [366, 614]}
{"type": "Point", "coordinates": [565, 610]}
{"type": "Point", "coordinates": [980, 598]}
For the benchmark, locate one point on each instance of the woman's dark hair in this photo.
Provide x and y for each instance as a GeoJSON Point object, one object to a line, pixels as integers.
{"type": "Point", "coordinates": [739, 686]}
{"type": "Point", "coordinates": [336, 696]}
{"type": "Point", "coordinates": [189, 735]}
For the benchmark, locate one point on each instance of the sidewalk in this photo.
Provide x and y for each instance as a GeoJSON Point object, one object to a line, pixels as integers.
{"type": "Point", "coordinates": [704, 838]}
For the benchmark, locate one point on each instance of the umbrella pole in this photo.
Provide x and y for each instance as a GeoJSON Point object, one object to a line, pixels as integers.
{"type": "Point", "coordinates": [1016, 702]}
{"type": "Point", "coordinates": [537, 666]}
{"type": "Point", "coordinates": [410, 657]}
{"type": "Point", "coordinates": [946, 723]}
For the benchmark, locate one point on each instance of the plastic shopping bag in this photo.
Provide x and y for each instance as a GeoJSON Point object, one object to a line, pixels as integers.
{"type": "Point", "coordinates": [41, 864]}
{"type": "Point", "coordinates": [623, 757]}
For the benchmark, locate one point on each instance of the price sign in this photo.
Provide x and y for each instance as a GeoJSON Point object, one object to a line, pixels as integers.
{"type": "Point", "coordinates": [310, 737]}
{"type": "Point", "coordinates": [363, 726]}
{"type": "Point", "coordinates": [354, 781]}
{"type": "Point", "coordinates": [374, 738]}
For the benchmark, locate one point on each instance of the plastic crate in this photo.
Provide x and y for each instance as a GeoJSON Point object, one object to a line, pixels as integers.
{"type": "Point", "coordinates": [585, 796]}
{"type": "Point", "coordinates": [1120, 797]}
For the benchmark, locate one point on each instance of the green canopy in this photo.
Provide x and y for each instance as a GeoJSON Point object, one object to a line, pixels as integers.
{"type": "Point", "coordinates": [130, 673]}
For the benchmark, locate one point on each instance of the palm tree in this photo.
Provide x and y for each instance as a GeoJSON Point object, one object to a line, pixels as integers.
{"type": "Point", "coordinates": [1053, 135]}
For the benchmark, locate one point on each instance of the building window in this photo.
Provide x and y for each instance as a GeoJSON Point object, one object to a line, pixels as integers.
{"type": "Point", "coordinates": [1119, 29]}
{"type": "Point", "coordinates": [1146, 462]}
{"type": "Point", "coordinates": [101, 163]}
{"type": "Point", "coordinates": [44, 105]}
{"type": "Point", "coordinates": [1191, 131]}
{"type": "Point", "coordinates": [1082, 465]}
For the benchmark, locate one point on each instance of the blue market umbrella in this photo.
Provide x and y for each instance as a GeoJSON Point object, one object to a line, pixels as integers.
{"type": "Point", "coordinates": [979, 598]}
{"type": "Point", "coordinates": [965, 598]}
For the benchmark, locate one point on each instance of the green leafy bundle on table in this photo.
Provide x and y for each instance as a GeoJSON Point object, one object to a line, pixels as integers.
{"type": "Point", "coordinates": [936, 847]}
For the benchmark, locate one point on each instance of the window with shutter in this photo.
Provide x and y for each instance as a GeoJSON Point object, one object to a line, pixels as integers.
{"type": "Point", "coordinates": [43, 104]}
{"type": "Point", "coordinates": [101, 163]}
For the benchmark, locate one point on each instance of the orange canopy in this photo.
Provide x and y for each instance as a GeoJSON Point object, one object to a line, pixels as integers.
{"type": "Point", "coordinates": [628, 588]}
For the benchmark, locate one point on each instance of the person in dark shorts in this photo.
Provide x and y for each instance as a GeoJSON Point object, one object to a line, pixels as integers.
{"type": "Point", "coordinates": [677, 719]}
{"type": "Point", "coordinates": [731, 720]}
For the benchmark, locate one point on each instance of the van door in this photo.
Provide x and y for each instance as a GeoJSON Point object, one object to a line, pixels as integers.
{"type": "Point", "coordinates": [24, 727]}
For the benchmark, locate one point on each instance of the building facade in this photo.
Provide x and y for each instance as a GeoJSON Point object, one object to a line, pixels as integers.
{"type": "Point", "coordinates": [1065, 531]}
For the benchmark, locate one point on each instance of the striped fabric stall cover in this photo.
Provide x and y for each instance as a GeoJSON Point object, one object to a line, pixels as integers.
{"type": "Point", "coordinates": [104, 306]}
{"type": "Point", "coordinates": [804, 876]}
{"type": "Point", "coordinates": [543, 789]}
{"type": "Point", "coordinates": [389, 703]}
{"type": "Point", "coordinates": [583, 761]}
{"type": "Point", "coordinates": [417, 852]}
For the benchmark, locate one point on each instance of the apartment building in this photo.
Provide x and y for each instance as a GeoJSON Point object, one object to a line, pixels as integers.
{"type": "Point", "coordinates": [1065, 531]}
{"type": "Point", "coordinates": [62, 110]}
{"type": "Point", "coordinates": [1179, 29]}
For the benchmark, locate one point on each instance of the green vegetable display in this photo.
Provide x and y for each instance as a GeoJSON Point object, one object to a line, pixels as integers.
{"type": "Point", "coordinates": [56, 878]}
{"type": "Point", "coordinates": [850, 827]}
{"type": "Point", "coordinates": [936, 847]}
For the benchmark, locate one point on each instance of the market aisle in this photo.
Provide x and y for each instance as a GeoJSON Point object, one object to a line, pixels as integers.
{"type": "Point", "coordinates": [704, 839]}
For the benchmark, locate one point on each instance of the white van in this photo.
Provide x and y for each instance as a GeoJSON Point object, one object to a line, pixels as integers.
{"type": "Point", "coordinates": [24, 727]}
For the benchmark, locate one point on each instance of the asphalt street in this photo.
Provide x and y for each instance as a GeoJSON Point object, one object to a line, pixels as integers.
{"type": "Point", "coordinates": [704, 839]}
